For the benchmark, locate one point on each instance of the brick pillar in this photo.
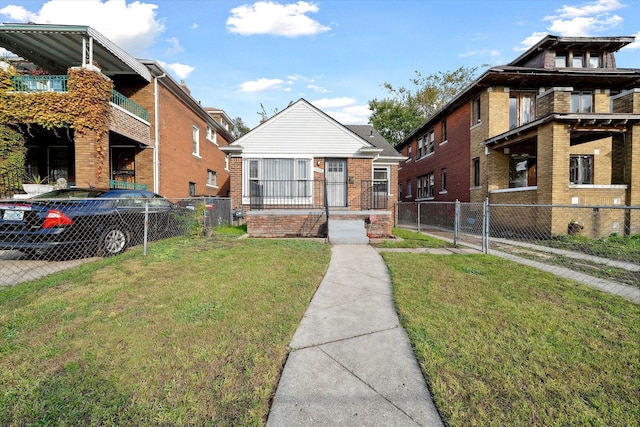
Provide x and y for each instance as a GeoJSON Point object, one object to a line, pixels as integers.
{"type": "Point", "coordinates": [632, 145]}
{"type": "Point", "coordinates": [92, 159]}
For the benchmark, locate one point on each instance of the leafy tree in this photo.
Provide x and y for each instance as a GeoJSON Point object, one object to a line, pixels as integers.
{"type": "Point", "coordinates": [405, 109]}
{"type": "Point", "coordinates": [239, 128]}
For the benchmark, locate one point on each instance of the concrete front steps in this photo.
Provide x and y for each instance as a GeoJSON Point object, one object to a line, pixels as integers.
{"type": "Point", "coordinates": [347, 232]}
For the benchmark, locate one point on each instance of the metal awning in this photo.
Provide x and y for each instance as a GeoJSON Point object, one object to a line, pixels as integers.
{"type": "Point", "coordinates": [56, 48]}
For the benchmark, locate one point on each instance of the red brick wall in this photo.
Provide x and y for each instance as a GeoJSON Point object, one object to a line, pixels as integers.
{"type": "Point", "coordinates": [178, 166]}
{"type": "Point", "coordinates": [454, 155]}
{"type": "Point", "coordinates": [311, 224]}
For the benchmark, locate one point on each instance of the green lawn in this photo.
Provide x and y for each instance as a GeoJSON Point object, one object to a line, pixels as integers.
{"type": "Point", "coordinates": [196, 333]}
{"type": "Point", "coordinates": [502, 344]}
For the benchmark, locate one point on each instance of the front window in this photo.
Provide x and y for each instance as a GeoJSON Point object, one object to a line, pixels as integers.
{"type": "Point", "coordinates": [561, 60]}
{"type": "Point", "coordinates": [595, 61]}
{"type": "Point", "coordinates": [443, 180]}
{"type": "Point", "coordinates": [420, 152]}
{"type": "Point", "coordinates": [425, 186]}
{"type": "Point", "coordinates": [192, 189]}
{"type": "Point", "coordinates": [581, 169]}
{"type": "Point", "coordinates": [475, 111]}
{"type": "Point", "coordinates": [409, 155]}
{"type": "Point", "coordinates": [430, 142]}
{"type": "Point", "coordinates": [582, 102]}
{"type": "Point", "coordinates": [522, 171]}
{"type": "Point", "coordinates": [444, 130]}
{"type": "Point", "coordinates": [521, 109]}
{"type": "Point", "coordinates": [212, 135]}
{"type": "Point", "coordinates": [212, 178]}
{"type": "Point", "coordinates": [578, 60]}
{"type": "Point", "coordinates": [195, 137]}
{"type": "Point", "coordinates": [476, 172]}
{"type": "Point", "coordinates": [408, 188]}
{"type": "Point", "coordinates": [283, 178]}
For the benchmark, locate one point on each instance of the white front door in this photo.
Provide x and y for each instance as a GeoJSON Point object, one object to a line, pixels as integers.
{"type": "Point", "coordinates": [336, 176]}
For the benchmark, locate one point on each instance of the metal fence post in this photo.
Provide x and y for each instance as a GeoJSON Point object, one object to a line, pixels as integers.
{"type": "Point", "coordinates": [485, 227]}
{"type": "Point", "coordinates": [418, 217]}
{"type": "Point", "coordinates": [456, 222]}
{"type": "Point", "coordinates": [146, 227]}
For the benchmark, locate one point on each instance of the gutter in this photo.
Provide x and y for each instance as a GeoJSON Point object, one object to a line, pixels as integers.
{"type": "Point", "coordinates": [156, 137]}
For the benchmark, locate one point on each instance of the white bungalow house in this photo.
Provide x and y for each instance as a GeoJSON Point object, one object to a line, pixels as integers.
{"type": "Point", "coordinates": [301, 167]}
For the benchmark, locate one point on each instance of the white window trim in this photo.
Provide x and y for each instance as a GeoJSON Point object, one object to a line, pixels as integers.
{"type": "Point", "coordinates": [195, 140]}
{"type": "Point", "coordinates": [387, 169]}
{"type": "Point", "coordinates": [246, 179]}
{"type": "Point", "coordinates": [211, 130]}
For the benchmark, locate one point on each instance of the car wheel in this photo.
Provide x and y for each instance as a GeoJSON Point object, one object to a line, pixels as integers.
{"type": "Point", "coordinates": [112, 242]}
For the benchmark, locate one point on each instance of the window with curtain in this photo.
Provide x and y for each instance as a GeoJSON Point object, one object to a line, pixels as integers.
{"type": "Point", "coordinates": [278, 177]}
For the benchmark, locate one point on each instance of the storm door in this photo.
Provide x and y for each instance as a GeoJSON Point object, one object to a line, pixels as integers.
{"type": "Point", "coordinates": [336, 176]}
{"type": "Point", "coordinates": [123, 164]}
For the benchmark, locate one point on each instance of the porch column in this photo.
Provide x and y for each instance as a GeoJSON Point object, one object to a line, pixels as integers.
{"type": "Point", "coordinates": [92, 159]}
{"type": "Point", "coordinates": [632, 179]}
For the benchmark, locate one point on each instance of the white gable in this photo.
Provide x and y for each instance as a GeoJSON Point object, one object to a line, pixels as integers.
{"type": "Point", "coordinates": [301, 130]}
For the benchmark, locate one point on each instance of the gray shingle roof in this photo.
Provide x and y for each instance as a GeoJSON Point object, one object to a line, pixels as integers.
{"type": "Point", "coordinates": [372, 136]}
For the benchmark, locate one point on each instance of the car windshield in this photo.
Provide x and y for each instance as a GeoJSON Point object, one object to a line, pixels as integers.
{"type": "Point", "coordinates": [70, 194]}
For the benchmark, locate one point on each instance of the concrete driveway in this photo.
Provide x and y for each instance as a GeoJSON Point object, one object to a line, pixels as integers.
{"type": "Point", "coordinates": [14, 268]}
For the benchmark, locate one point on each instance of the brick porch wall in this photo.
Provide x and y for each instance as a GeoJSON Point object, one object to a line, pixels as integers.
{"type": "Point", "coordinates": [301, 223]}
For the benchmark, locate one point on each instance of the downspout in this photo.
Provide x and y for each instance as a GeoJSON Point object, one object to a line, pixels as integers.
{"type": "Point", "coordinates": [156, 137]}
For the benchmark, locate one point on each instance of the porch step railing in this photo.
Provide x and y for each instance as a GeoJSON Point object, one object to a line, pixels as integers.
{"type": "Point", "coordinates": [315, 194]}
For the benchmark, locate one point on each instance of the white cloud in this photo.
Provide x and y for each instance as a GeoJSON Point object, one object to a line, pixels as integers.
{"type": "Point", "coordinates": [266, 17]}
{"type": "Point", "coordinates": [356, 115]}
{"type": "Point", "coordinates": [261, 85]}
{"type": "Point", "coordinates": [17, 13]}
{"type": "Point", "coordinates": [174, 46]}
{"type": "Point", "coordinates": [133, 26]}
{"type": "Point", "coordinates": [586, 19]}
{"type": "Point", "coordinates": [317, 88]}
{"type": "Point", "coordinates": [334, 102]}
{"type": "Point", "coordinates": [182, 71]}
{"type": "Point", "coordinates": [530, 41]}
{"type": "Point", "coordinates": [635, 44]}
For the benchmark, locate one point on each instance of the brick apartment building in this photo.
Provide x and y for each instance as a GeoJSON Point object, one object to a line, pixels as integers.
{"type": "Point", "coordinates": [560, 125]}
{"type": "Point", "coordinates": [154, 134]}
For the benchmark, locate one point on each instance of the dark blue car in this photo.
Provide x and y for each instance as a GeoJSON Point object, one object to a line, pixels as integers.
{"type": "Point", "coordinates": [79, 222]}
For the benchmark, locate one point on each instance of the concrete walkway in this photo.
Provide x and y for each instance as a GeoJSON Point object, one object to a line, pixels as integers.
{"type": "Point", "coordinates": [351, 363]}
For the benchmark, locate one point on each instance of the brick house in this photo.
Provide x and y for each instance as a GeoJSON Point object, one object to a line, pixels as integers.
{"type": "Point", "coordinates": [156, 135]}
{"type": "Point", "coordinates": [293, 169]}
{"type": "Point", "coordinates": [560, 125]}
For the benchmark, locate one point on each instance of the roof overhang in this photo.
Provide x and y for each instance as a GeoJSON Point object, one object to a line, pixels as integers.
{"type": "Point", "coordinates": [583, 127]}
{"type": "Point", "coordinates": [56, 48]}
{"type": "Point", "coordinates": [232, 150]}
{"type": "Point", "coordinates": [370, 151]}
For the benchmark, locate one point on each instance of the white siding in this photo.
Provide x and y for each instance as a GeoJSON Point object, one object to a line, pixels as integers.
{"type": "Point", "coordinates": [301, 131]}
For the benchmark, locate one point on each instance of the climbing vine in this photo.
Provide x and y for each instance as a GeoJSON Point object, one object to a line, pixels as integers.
{"type": "Point", "coordinates": [84, 107]}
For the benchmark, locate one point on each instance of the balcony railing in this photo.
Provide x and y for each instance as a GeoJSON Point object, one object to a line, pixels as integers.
{"type": "Point", "coordinates": [51, 83]}
{"type": "Point", "coordinates": [115, 184]}
{"type": "Point", "coordinates": [310, 194]}
{"type": "Point", "coordinates": [125, 103]}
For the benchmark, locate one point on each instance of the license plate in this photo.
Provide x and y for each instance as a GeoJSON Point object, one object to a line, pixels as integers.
{"type": "Point", "coordinates": [13, 215]}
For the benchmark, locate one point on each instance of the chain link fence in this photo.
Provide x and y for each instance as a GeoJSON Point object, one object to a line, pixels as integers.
{"type": "Point", "coordinates": [596, 245]}
{"type": "Point", "coordinates": [39, 237]}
